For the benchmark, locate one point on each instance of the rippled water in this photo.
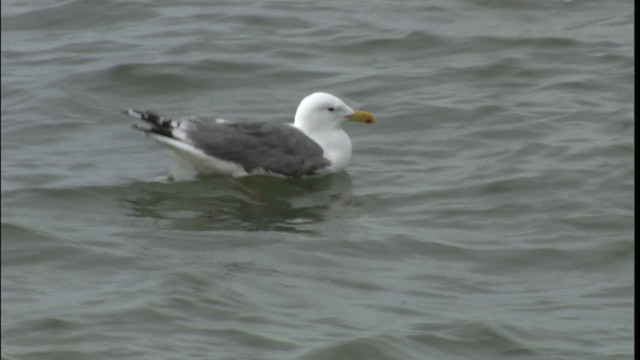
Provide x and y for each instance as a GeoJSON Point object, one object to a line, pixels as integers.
{"type": "Point", "coordinates": [487, 215]}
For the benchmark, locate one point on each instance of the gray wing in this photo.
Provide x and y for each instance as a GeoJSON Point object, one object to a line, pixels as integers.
{"type": "Point", "coordinates": [277, 148]}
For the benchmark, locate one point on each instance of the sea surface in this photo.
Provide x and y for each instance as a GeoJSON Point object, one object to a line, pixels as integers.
{"type": "Point", "coordinates": [488, 214]}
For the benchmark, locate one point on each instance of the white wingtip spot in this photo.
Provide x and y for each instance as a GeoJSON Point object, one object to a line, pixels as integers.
{"type": "Point", "coordinates": [134, 113]}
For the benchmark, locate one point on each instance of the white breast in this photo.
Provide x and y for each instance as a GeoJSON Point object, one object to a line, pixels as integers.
{"type": "Point", "coordinates": [337, 148]}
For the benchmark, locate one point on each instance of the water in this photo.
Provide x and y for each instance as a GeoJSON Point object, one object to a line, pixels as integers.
{"type": "Point", "coordinates": [487, 215]}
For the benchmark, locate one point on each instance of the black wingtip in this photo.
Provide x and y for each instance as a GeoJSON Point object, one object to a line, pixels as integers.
{"type": "Point", "coordinates": [141, 128]}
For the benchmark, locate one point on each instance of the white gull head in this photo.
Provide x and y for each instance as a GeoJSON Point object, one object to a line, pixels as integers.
{"type": "Point", "coordinates": [320, 116]}
{"type": "Point", "coordinates": [321, 111]}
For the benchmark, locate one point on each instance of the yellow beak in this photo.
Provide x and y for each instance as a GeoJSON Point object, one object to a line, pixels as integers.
{"type": "Point", "coordinates": [362, 116]}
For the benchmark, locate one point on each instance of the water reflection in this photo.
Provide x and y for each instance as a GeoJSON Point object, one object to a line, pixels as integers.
{"type": "Point", "coordinates": [257, 203]}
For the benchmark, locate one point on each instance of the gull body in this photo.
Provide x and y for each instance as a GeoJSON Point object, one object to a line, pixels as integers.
{"type": "Point", "coordinates": [314, 144]}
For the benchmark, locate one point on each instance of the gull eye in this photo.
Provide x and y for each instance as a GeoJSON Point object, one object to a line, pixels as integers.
{"type": "Point", "coordinates": [331, 109]}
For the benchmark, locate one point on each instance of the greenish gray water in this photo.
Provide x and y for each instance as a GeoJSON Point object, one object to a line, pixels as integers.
{"type": "Point", "coordinates": [487, 215]}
